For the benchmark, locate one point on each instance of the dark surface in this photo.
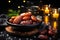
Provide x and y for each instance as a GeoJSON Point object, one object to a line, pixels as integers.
{"type": "Point", "coordinates": [6, 36]}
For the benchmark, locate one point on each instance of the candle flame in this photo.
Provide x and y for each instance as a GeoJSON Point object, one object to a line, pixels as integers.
{"type": "Point", "coordinates": [55, 14]}
{"type": "Point", "coordinates": [46, 9]}
{"type": "Point", "coordinates": [46, 19]}
{"type": "Point", "coordinates": [55, 11]}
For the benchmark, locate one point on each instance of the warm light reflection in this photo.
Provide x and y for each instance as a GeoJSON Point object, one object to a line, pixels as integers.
{"type": "Point", "coordinates": [55, 25]}
{"type": "Point", "coordinates": [46, 19]}
{"type": "Point", "coordinates": [18, 6]}
{"type": "Point", "coordinates": [9, 1]}
{"type": "Point", "coordinates": [24, 1]}
{"type": "Point", "coordinates": [39, 8]}
{"type": "Point", "coordinates": [46, 10]}
{"type": "Point", "coordinates": [42, 9]}
{"type": "Point", "coordinates": [55, 14]}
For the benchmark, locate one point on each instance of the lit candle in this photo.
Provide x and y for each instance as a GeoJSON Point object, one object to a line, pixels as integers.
{"type": "Point", "coordinates": [54, 25]}
{"type": "Point", "coordinates": [46, 19]}
{"type": "Point", "coordinates": [55, 14]}
{"type": "Point", "coordinates": [46, 10]}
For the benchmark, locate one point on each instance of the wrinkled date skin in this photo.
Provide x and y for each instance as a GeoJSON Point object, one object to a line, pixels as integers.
{"type": "Point", "coordinates": [17, 19]}
{"type": "Point", "coordinates": [24, 18]}
{"type": "Point", "coordinates": [26, 22]}
{"type": "Point", "coordinates": [33, 18]}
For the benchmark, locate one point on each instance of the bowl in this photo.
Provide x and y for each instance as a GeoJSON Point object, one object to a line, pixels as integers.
{"type": "Point", "coordinates": [21, 27]}
{"type": "Point", "coordinates": [10, 31]}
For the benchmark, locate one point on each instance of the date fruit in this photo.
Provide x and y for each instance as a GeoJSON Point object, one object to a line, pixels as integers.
{"type": "Point", "coordinates": [17, 20]}
{"type": "Point", "coordinates": [43, 37]}
{"type": "Point", "coordinates": [13, 17]}
{"type": "Point", "coordinates": [27, 22]}
{"type": "Point", "coordinates": [11, 20]}
{"type": "Point", "coordinates": [26, 18]}
{"type": "Point", "coordinates": [33, 18]}
{"type": "Point", "coordinates": [26, 14]}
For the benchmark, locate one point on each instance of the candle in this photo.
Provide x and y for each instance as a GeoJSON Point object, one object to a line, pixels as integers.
{"type": "Point", "coordinates": [55, 14]}
{"type": "Point", "coordinates": [55, 25]}
{"type": "Point", "coordinates": [46, 19]}
{"type": "Point", "coordinates": [46, 10]}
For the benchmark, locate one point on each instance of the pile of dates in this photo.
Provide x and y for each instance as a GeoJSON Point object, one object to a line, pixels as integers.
{"type": "Point", "coordinates": [24, 18]}
{"type": "Point", "coordinates": [47, 34]}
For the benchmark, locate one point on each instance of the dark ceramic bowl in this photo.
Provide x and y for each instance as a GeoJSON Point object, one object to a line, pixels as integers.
{"type": "Point", "coordinates": [23, 27]}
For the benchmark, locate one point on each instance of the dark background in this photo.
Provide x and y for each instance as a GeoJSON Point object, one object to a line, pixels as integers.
{"type": "Point", "coordinates": [4, 5]}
